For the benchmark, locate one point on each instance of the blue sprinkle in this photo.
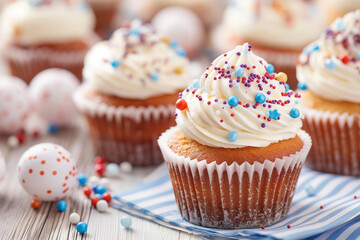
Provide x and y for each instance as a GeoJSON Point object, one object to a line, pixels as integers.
{"type": "Point", "coordinates": [98, 195]}
{"type": "Point", "coordinates": [61, 205]}
{"type": "Point", "coordinates": [313, 48]}
{"type": "Point", "coordinates": [181, 52]}
{"type": "Point", "coordinates": [294, 113]}
{"type": "Point", "coordinates": [330, 64]}
{"type": "Point", "coordinates": [233, 101]}
{"type": "Point", "coordinates": [82, 178]}
{"type": "Point", "coordinates": [228, 67]}
{"type": "Point", "coordinates": [203, 89]}
{"type": "Point", "coordinates": [35, 2]}
{"type": "Point", "coordinates": [239, 72]}
{"type": "Point", "coordinates": [81, 227]}
{"type": "Point", "coordinates": [195, 84]}
{"type": "Point", "coordinates": [53, 128]}
{"type": "Point", "coordinates": [260, 98]}
{"type": "Point", "coordinates": [287, 87]}
{"type": "Point", "coordinates": [296, 102]}
{"type": "Point", "coordinates": [274, 114]}
{"type": "Point", "coordinates": [134, 32]}
{"type": "Point", "coordinates": [270, 68]}
{"type": "Point", "coordinates": [174, 44]}
{"type": "Point", "coordinates": [100, 189]}
{"type": "Point", "coordinates": [310, 190]}
{"type": "Point", "coordinates": [115, 63]}
{"type": "Point", "coordinates": [154, 76]}
{"type": "Point", "coordinates": [339, 24]}
{"type": "Point", "coordinates": [126, 221]}
{"type": "Point", "coordinates": [237, 85]}
{"type": "Point", "coordinates": [358, 56]}
{"type": "Point", "coordinates": [302, 86]}
{"type": "Point", "coordinates": [233, 136]}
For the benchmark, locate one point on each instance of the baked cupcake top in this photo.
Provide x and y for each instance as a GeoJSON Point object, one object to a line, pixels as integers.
{"type": "Point", "coordinates": [37, 22]}
{"type": "Point", "coordinates": [137, 64]}
{"type": "Point", "coordinates": [239, 101]}
{"type": "Point", "coordinates": [330, 66]}
{"type": "Point", "coordinates": [275, 23]}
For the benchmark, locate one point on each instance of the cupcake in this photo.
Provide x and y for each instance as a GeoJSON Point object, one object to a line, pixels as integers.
{"type": "Point", "coordinates": [237, 151]}
{"type": "Point", "coordinates": [278, 29]}
{"type": "Point", "coordinates": [329, 74]}
{"type": "Point", "coordinates": [334, 8]}
{"type": "Point", "coordinates": [105, 12]}
{"type": "Point", "coordinates": [131, 83]}
{"type": "Point", "coordinates": [46, 34]}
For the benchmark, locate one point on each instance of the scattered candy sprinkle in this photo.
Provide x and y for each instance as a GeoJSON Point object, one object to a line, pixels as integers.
{"type": "Point", "coordinates": [81, 227]}
{"type": "Point", "coordinates": [61, 205]}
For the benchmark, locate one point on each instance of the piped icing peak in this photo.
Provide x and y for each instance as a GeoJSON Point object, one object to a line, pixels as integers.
{"type": "Point", "coordinates": [137, 63]}
{"type": "Point", "coordinates": [36, 22]}
{"type": "Point", "coordinates": [239, 101]}
{"type": "Point", "coordinates": [330, 66]}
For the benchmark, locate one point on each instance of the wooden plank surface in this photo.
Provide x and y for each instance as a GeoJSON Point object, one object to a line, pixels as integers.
{"type": "Point", "coordinates": [19, 221]}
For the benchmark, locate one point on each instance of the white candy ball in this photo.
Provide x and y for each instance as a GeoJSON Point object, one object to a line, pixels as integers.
{"type": "Point", "coordinates": [52, 91]}
{"type": "Point", "coordinates": [74, 218]}
{"type": "Point", "coordinates": [105, 182]}
{"type": "Point", "coordinates": [92, 180]}
{"type": "Point", "coordinates": [15, 104]}
{"type": "Point", "coordinates": [2, 168]}
{"type": "Point", "coordinates": [47, 172]}
{"type": "Point", "coordinates": [112, 170]}
{"type": "Point", "coordinates": [102, 205]}
{"type": "Point", "coordinates": [13, 141]}
{"type": "Point", "coordinates": [126, 167]}
{"type": "Point", "coordinates": [182, 25]}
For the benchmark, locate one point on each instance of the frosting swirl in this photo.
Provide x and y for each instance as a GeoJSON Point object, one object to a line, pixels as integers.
{"type": "Point", "coordinates": [330, 66]}
{"type": "Point", "coordinates": [137, 64]}
{"type": "Point", "coordinates": [276, 23]}
{"type": "Point", "coordinates": [34, 22]}
{"type": "Point", "coordinates": [239, 102]}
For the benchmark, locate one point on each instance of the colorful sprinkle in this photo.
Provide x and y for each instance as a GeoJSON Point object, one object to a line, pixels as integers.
{"type": "Point", "coordinates": [310, 190]}
{"type": "Point", "coordinates": [195, 84]}
{"type": "Point", "coordinates": [282, 77]}
{"type": "Point", "coordinates": [345, 58]}
{"type": "Point", "coordinates": [274, 114]}
{"type": "Point", "coordinates": [154, 76]}
{"type": "Point", "coordinates": [126, 222]}
{"type": "Point", "coordinates": [330, 64]}
{"type": "Point", "coordinates": [294, 113]}
{"type": "Point", "coordinates": [287, 87]}
{"type": "Point", "coordinates": [181, 52]}
{"type": "Point", "coordinates": [270, 68]}
{"type": "Point", "coordinates": [181, 104]}
{"type": "Point", "coordinates": [61, 205]}
{"type": "Point", "coordinates": [82, 178]}
{"type": "Point", "coordinates": [339, 24]}
{"type": "Point", "coordinates": [233, 101]}
{"type": "Point", "coordinates": [81, 227]}
{"type": "Point", "coordinates": [260, 98]}
{"type": "Point", "coordinates": [239, 72]}
{"type": "Point", "coordinates": [233, 136]}
{"type": "Point", "coordinates": [302, 86]}
{"type": "Point", "coordinates": [115, 63]}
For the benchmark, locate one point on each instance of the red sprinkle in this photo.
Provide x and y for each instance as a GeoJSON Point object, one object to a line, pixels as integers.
{"type": "Point", "coordinates": [107, 197]}
{"type": "Point", "coordinates": [181, 104]}
{"type": "Point", "coordinates": [355, 197]}
{"type": "Point", "coordinates": [288, 226]}
{"type": "Point", "coordinates": [321, 207]}
{"type": "Point", "coordinates": [262, 227]}
{"type": "Point", "coordinates": [345, 58]}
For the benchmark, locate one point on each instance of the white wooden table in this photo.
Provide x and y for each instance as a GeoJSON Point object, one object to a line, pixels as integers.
{"type": "Point", "coordinates": [19, 221]}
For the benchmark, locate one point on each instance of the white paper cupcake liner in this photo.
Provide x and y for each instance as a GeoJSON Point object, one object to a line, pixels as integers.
{"type": "Point", "coordinates": [126, 133]}
{"type": "Point", "coordinates": [336, 140]}
{"type": "Point", "coordinates": [233, 196]}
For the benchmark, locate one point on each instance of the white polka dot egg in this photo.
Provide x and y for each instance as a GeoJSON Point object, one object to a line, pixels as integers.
{"type": "Point", "coordinates": [47, 172]}
{"type": "Point", "coordinates": [2, 168]}
{"type": "Point", "coordinates": [14, 104]}
{"type": "Point", "coordinates": [52, 91]}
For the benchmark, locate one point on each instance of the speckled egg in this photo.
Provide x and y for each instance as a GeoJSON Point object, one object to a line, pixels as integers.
{"type": "Point", "coordinates": [182, 25]}
{"type": "Point", "coordinates": [14, 104]}
{"type": "Point", "coordinates": [47, 172]}
{"type": "Point", "coordinates": [51, 91]}
{"type": "Point", "coordinates": [2, 168]}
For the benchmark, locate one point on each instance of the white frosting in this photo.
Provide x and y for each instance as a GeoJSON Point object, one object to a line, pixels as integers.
{"type": "Point", "coordinates": [208, 119]}
{"type": "Point", "coordinates": [276, 23]}
{"type": "Point", "coordinates": [148, 66]}
{"type": "Point", "coordinates": [342, 83]}
{"type": "Point", "coordinates": [29, 24]}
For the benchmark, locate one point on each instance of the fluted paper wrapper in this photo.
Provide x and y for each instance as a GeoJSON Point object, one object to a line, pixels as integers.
{"type": "Point", "coordinates": [126, 134]}
{"type": "Point", "coordinates": [336, 139]}
{"type": "Point", "coordinates": [234, 196]}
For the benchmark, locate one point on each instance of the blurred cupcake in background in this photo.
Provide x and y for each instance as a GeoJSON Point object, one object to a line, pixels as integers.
{"type": "Point", "coordinates": [44, 34]}
{"type": "Point", "coordinates": [105, 13]}
{"type": "Point", "coordinates": [278, 29]}
{"type": "Point", "coordinates": [132, 82]}
{"type": "Point", "coordinates": [238, 148]}
{"type": "Point", "coordinates": [329, 81]}
{"type": "Point", "coordinates": [334, 8]}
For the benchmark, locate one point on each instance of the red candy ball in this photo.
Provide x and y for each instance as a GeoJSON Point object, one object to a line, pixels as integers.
{"type": "Point", "coordinates": [35, 204]}
{"type": "Point", "coordinates": [94, 201]}
{"type": "Point", "coordinates": [99, 169]}
{"type": "Point", "coordinates": [345, 59]}
{"type": "Point", "coordinates": [181, 104]}
{"type": "Point", "coordinates": [99, 160]}
{"type": "Point", "coordinates": [107, 197]}
{"type": "Point", "coordinates": [87, 191]}
{"type": "Point", "coordinates": [21, 137]}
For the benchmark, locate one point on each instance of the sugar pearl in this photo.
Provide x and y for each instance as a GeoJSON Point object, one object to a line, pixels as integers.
{"type": "Point", "coordinates": [74, 218]}
{"type": "Point", "coordinates": [126, 221]}
{"type": "Point", "coordinates": [102, 205]}
{"type": "Point", "coordinates": [13, 141]}
{"type": "Point", "coordinates": [126, 167]}
{"type": "Point", "coordinates": [93, 179]}
{"type": "Point", "coordinates": [112, 170]}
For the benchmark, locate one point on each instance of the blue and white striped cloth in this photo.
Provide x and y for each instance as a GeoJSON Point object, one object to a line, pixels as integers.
{"type": "Point", "coordinates": [324, 207]}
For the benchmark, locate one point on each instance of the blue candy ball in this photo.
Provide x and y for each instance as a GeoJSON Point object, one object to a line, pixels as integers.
{"type": "Point", "coordinates": [82, 178]}
{"type": "Point", "coordinates": [81, 227]}
{"type": "Point", "coordinates": [94, 187]}
{"type": "Point", "coordinates": [115, 63]}
{"type": "Point", "coordinates": [260, 98]}
{"type": "Point", "coordinates": [53, 128]}
{"type": "Point", "coordinates": [98, 195]}
{"type": "Point", "coordinates": [233, 136]}
{"type": "Point", "coordinates": [61, 205]}
{"type": "Point", "coordinates": [302, 86]}
{"type": "Point", "coordinates": [100, 189]}
{"type": "Point", "coordinates": [233, 101]}
{"type": "Point", "coordinates": [126, 221]}
{"type": "Point", "coordinates": [239, 72]}
{"type": "Point", "coordinates": [294, 113]}
{"type": "Point", "coordinates": [270, 68]}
